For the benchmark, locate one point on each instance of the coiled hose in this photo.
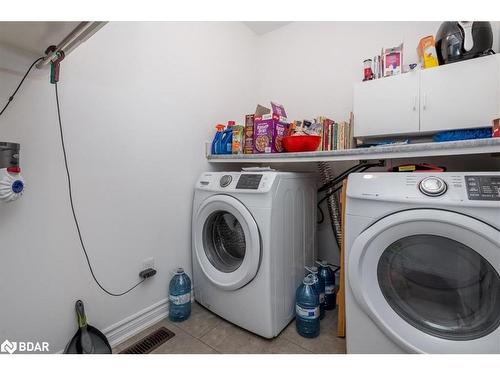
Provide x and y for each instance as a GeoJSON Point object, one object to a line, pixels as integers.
{"type": "Point", "coordinates": [332, 201]}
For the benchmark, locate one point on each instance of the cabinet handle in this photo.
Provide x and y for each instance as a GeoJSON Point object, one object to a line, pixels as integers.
{"type": "Point", "coordinates": [424, 105]}
{"type": "Point", "coordinates": [415, 103]}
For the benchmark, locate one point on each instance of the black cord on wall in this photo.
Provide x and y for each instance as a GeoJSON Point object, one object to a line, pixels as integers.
{"type": "Point", "coordinates": [77, 225]}
{"type": "Point", "coordinates": [11, 98]}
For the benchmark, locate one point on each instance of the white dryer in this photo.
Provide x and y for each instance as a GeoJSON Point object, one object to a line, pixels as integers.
{"type": "Point", "coordinates": [423, 262]}
{"type": "Point", "coordinates": [252, 235]}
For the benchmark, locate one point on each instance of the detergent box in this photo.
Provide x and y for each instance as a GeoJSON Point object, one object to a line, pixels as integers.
{"type": "Point", "coordinates": [427, 52]}
{"type": "Point", "coordinates": [269, 128]}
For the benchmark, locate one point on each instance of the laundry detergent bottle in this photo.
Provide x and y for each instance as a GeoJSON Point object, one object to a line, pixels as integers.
{"type": "Point", "coordinates": [326, 273]}
{"type": "Point", "coordinates": [319, 284]}
{"type": "Point", "coordinates": [307, 309]}
{"type": "Point", "coordinates": [216, 143]}
{"type": "Point", "coordinates": [179, 306]}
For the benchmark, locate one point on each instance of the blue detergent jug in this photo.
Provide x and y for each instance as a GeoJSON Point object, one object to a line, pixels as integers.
{"type": "Point", "coordinates": [227, 141]}
{"type": "Point", "coordinates": [179, 298]}
{"type": "Point", "coordinates": [216, 143]}
{"type": "Point", "coordinates": [326, 273]}
{"type": "Point", "coordinates": [307, 309]}
{"type": "Point", "coordinates": [319, 284]}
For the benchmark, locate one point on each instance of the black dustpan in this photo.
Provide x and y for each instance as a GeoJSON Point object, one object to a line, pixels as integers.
{"type": "Point", "coordinates": [88, 339]}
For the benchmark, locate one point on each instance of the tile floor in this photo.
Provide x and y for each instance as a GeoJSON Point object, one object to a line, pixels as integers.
{"type": "Point", "coordinates": [206, 333]}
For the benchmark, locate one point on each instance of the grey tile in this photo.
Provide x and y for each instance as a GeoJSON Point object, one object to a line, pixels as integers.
{"type": "Point", "coordinates": [229, 339]}
{"type": "Point", "coordinates": [326, 343]}
{"type": "Point", "coordinates": [200, 322]}
{"type": "Point", "coordinates": [184, 344]}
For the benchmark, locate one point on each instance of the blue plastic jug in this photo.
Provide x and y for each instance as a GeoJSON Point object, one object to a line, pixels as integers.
{"type": "Point", "coordinates": [179, 298]}
{"type": "Point", "coordinates": [326, 273]}
{"type": "Point", "coordinates": [227, 141]}
{"type": "Point", "coordinates": [307, 309]}
{"type": "Point", "coordinates": [216, 143]}
{"type": "Point", "coordinates": [319, 284]}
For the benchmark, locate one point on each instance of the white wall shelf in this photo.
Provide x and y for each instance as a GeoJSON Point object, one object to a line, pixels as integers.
{"type": "Point", "coordinates": [415, 150]}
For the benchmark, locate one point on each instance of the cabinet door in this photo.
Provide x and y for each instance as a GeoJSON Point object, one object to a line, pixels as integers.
{"type": "Point", "coordinates": [460, 95]}
{"type": "Point", "coordinates": [386, 106]}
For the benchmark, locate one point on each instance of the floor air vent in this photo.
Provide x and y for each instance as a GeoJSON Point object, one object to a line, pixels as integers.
{"type": "Point", "coordinates": [150, 342]}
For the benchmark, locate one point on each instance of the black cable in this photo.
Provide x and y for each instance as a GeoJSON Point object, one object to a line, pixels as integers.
{"type": "Point", "coordinates": [353, 169]}
{"type": "Point", "coordinates": [11, 98]}
{"type": "Point", "coordinates": [70, 191]}
{"type": "Point", "coordinates": [329, 185]}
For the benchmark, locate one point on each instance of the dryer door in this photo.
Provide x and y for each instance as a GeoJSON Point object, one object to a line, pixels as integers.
{"type": "Point", "coordinates": [226, 242]}
{"type": "Point", "coordinates": [430, 280]}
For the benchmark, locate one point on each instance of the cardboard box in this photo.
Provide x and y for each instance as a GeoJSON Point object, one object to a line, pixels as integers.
{"type": "Point", "coordinates": [496, 128]}
{"type": "Point", "coordinates": [248, 143]}
{"type": "Point", "coordinates": [393, 61]}
{"type": "Point", "coordinates": [269, 128]}
{"type": "Point", "coordinates": [427, 52]}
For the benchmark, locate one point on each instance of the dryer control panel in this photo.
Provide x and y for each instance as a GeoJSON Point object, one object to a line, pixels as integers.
{"type": "Point", "coordinates": [483, 188]}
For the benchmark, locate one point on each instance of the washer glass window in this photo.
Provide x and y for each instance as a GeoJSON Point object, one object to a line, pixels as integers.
{"type": "Point", "coordinates": [224, 241]}
{"type": "Point", "coordinates": [441, 287]}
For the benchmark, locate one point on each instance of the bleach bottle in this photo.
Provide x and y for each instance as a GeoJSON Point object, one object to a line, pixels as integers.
{"type": "Point", "coordinates": [326, 273]}
{"type": "Point", "coordinates": [179, 307]}
{"type": "Point", "coordinates": [307, 309]}
{"type": "Point", "coordinates": [319, 284]}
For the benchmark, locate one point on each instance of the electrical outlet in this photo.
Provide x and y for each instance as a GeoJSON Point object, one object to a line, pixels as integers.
{"type": "Point", "coordinates": [148, 263]}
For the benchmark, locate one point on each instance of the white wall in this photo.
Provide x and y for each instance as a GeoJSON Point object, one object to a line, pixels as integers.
{"type": "Point", "coordinates": [138, 102]}
{"type": "Point", "coordinates": [310, 67]}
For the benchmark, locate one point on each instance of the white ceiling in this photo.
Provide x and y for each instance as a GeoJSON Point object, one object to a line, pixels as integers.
{"type": "Point", "coordinates": [33, 37]}
{"type": "Point", "coordinates": [262, 27]}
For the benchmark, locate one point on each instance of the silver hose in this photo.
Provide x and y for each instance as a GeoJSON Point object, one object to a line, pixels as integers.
{"type": "Point", "coordinates": [332, 203]}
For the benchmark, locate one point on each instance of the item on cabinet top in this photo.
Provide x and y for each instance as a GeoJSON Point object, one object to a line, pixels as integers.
{"type": "Point", "coordinates": [462, 134]}
{"type": "Point", "coordinates": [461, 40]}
{"type": "Point", "coordinates": [393, 60]}
{"type": "Point", "coordinates": [269, 128]}
{"type": "Point", "coordinates": [248, 145]}
{"type": "Point", "coordinates": [422, 167]}
{"type": "Point", "coordinates": [367, 70]}
{"type": "Point", "coordinates": [426, 51]}
{"type": "Point", "coordinates": [496, 128]}
{"type": "Point", "coordinates": [301, 142]}
{"type": "Point", "coordinates": [238, 137]}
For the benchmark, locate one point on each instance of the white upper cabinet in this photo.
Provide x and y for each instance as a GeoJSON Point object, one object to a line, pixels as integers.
{"type": "Point", "coordinates": [456, 96]}
{"type": "Point", "coordinates": [460, 95]}
{"type": "Point", "coordinates": [387, 106]}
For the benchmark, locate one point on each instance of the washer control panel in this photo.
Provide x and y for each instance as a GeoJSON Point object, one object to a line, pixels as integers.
{"type": "Point", "coordinates": [483, 188]}
{"type": "Point", "coordinates": [433, 186]}
{"type": "Point", "coordinates": [249, 181]}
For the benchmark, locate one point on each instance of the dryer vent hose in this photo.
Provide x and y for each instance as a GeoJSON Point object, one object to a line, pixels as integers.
{"type": "Point", "coordinates": [332, 201]}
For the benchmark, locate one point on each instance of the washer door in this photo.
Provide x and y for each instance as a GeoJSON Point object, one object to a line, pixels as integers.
{"type": "Point", "coordinates": [226, 242]}
{"type": "Point", "coordinates": [430, 280]}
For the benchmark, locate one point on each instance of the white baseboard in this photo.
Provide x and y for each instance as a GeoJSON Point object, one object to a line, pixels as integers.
{"type": "Point", "coordinates": [128, 327]}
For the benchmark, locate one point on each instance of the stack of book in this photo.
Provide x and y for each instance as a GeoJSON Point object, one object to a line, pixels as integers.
{"type": "Point", "coordinates": [336, 135]}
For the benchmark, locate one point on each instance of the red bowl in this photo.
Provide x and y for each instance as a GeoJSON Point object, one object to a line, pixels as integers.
{"type": "Point", "coordinates": [301, 143]}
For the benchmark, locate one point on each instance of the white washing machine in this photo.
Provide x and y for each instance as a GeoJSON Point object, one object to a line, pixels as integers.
{"type": "Point", "coordinates": [423, 262]}
{"type": "Point", "coordinates": [252, 235]}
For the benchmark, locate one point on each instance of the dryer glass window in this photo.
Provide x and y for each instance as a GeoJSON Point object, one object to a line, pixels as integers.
{"type": "Point", "coordinates": [441, 287]}
{"type": "Point", "coordinates": [224, 241]}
